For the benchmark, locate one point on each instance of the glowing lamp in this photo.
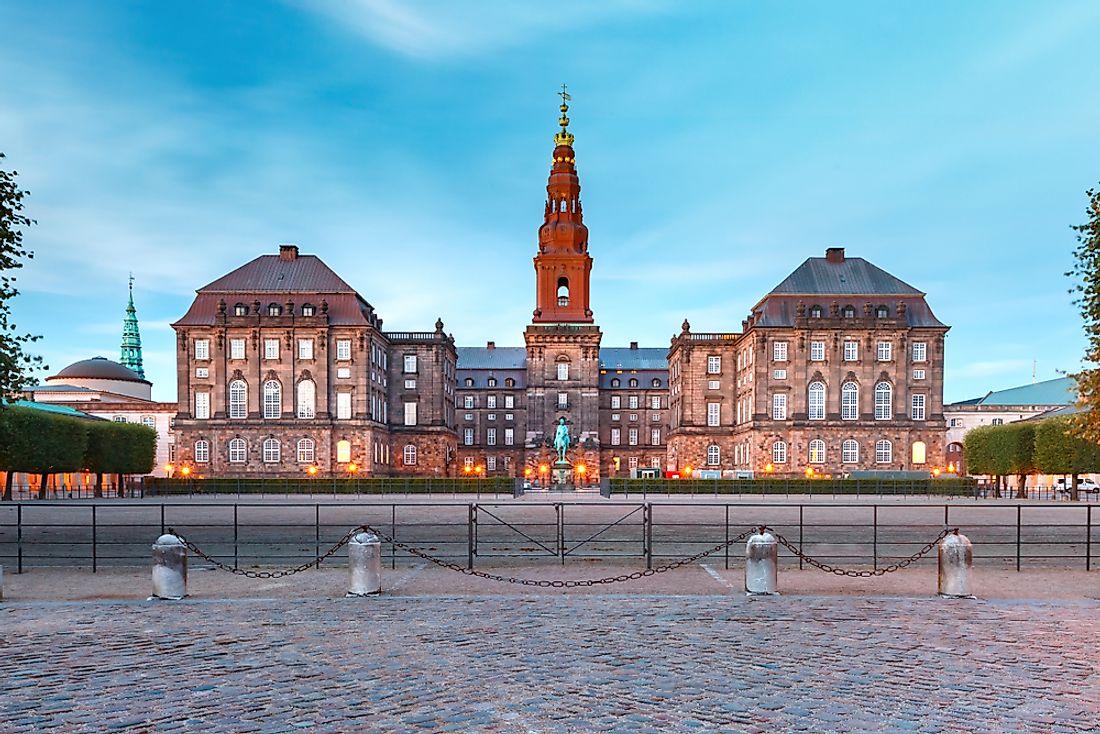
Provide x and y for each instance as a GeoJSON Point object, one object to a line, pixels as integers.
{"type": "Point", "coordinates": [353, 467]}
{"type": "Point", "coordinates": [769, 468]}
{"type": "Point", "coordinates": [582, 469]}
{"type": "Point", "coordinates": [543, 468]}
{"type": "Point", "coordinates": [467, 469]}
{"type": "Point", "coordinates": [312, 470]}
{"type": "Point", "coordinates": [185, 470]}
{"type": "Point", "coordinates": [527, 471]}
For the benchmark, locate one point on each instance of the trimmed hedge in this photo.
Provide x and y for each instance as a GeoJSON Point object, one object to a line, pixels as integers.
{"type": "Point", "coordinates": [328, 485]}
{"type": "Point", "coordinates": [954, 487]}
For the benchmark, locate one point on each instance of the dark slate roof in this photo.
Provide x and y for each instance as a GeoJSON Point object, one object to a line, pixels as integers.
{"type": "Point", "coordinates": [625, 358]}
{"type": "Point", "coordinates": [99, 368]}
{"type": "Point", "coordinates": [270, 273]}
{"type": "Point", "coordinates": [852, 276]}
{"type": "Point", "coordinates": [645, 380]}
{"type": "Point", "coordinates": [481, 379]}
{"type": "Point", "coordinates": [780, 310]}
{"type": "Point", "coordinates": [497, 358]}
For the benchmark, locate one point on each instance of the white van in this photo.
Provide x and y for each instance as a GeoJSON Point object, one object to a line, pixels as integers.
{"type": "Point", "coordinates": [1084, 484]}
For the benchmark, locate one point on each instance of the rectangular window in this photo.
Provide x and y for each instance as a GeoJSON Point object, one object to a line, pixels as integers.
{"type": "Point", "coordinates": [632, 402]}
{"type": "Point", "coordinates": [633, 417]}
{"type": "Point", "coordinates": [563, 370]}
{"type": "Point", "coordinates": [918, 374]}
{"type": "Point", "coordinates": [509, 416]}
{"type": "Point", "coordinates": [202, 349]}
{"type": "Point", "coordinates": [491, 463]}
{"type": "Point", "coordinates": [998, 421]}
{"type": "Point", "coordinates": [956, 422]}
{"type": "Point", "coordinates": [410, 384]}
{"type": "Point", "coordinates": [468, 416]}
{"type": "Point", "coordinates": [714, 414]}
{"type": "Point", "coordinates": [271, 348]}
{"type": "Point", "coordinates": [491, 416]}
{"type": "Point", "coordinates": [920, 351]}
{"type": "Point", "coordinates": [632, 436]}
{"type": "Point", "coordinates": [714, 365]}
{"type": "Point", "coordinates": [202, 452]}
{"type": "Point", "coordinates": [343, 406]}
{"type": "Point", "coordinates": [343, 349]}
{"type": "Point", "coordinates": [343, 373]}
{"type": "Point", "coordinates": [817, 351]}
{"type": "Point", "coordinates": [563, 400]}
{"type": "Point", "coordinates": [491, 401]}
{"type": "Point", "coordinates": [202, 372]}
{"type": "Point", "coordinates": [851, 351]}
{"type": "Point", "coordinates": [509, 401]}
{"type": "Point", "coordinates": [615, 416]}
{"type": "Point", "coordinates": [779, 407]}
{"type": "Point", "coordinates": [885, 351]}
{"type": "Point", "coordinates": [616, 437]}
{"type": "Point", "coordinates": [202, 405]}
{"type": "Point", "coordinates": [410, 363]}
{"type": "Point", "coordinates": [655, 436]}
{"type": "Point", "coordinates": [509, 436]}
{"type": "Point", "coordinates": [236, 348]}
{"type": "Point", "coordinates": [714, 385]}
{"type": "Point", "coordinates": [849, 452]}
{"type": "Point", "coordinates": [616, 402]}
{"type": "Point", "coordinates": [410, 414]}
{"type": "Point", "coordinates": [468, 437]}
{"type": "Point", "coordinates": [491, 436]}
{"type": "Point", "coordinates": [632, 462]}
{"type": "Point", "coordinates": [779, 351]}
{"type": "Point", "coordinates": [468, 402]}
{"type": "Point", "coordinates": [655, 402]}
{"type": "Point", "coordinates": [779, 374]}
{"type": "Point", "coordinates": [917, 413]}
{"type": "Point", "coordinates": [305, 349]}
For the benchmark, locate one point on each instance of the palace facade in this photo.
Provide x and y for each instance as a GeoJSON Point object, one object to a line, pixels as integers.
{"type": "Point", "coordinates": [285, 369]}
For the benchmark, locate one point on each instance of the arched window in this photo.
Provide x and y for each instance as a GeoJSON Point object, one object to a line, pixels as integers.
{"type": "Point", "coordinates": [306, 451]}
{"type": "Point", "coordinates": [273, 399]}
{"type": "Point", "coordinates": [884, 452]}
{"type": "Point", "coordinates": [238, 451]}
{"type": "Point", "coordinates": [779, 452]}
{"type": "Point", "coordinates": [271, 451]}
{"type": "Point", "coordinates": [633, 382]}
{"type": "Point", "coordinates": [563, 291]}
{"type": "Point", "coordinates": [343, 452]}
{"type": "Point", "coordinates": [238, 399]}
{"type": "Point", "coordinates": [308, 309]}
{"type": "Point", "coordinates": [920, 452]}
{"type": "Point", "coordinates": [409, 454]}
{"type": "Point", "coordinates": [468, 382]}
{"type": "Point", "coordinates": [274, 309]}
{"type": "Point", "coordinates": [307, 399]}
{"type": "Point", "coordinates": [202, 452]}
{"type": "Point", "coordinates": [714, 454]}
{"type": "Point", "coordinates": [884, 401]}
{"type": "Point", "coordinates": [656, 382]}
{"type": "Point", "coordinates": [509, 382]}
{"type": "Point", "coordinates": [849, 401]}
{"type": "Point", "coordinates": [492, 382]}
{"type": "Point", "coordinates": [615, 382]}
{"type": "Point", "coordinates": [849, 312]}
{"type": "Point", "coordinates": [240, 310]}
{"type": "Point", "coordinates": [817, 451]}
{"type": "Point", "coordinates": [849, 451]}
{"type": "Point", "coordinates": [882, 312]}
{"type": "Point", "coordinates": [815, 312]}
{"type": "Point", "coordinates": [815, 406]}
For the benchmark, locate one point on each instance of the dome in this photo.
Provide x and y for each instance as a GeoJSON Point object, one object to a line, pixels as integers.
{"type": "Point", "coordinates": [98, 368]}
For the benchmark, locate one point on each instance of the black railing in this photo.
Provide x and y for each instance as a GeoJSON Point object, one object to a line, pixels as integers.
{"type": "Point", "coordinates": [118, 533]}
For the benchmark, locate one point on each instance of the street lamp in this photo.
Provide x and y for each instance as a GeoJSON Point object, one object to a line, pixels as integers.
{"type": "Point", "coordinates": [544, 469]}
{"type": "Point", "coordinates": [581, 470]}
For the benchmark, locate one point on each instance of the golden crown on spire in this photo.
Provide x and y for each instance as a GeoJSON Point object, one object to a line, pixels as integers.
{"type": "Point", "coordinates": [564, 137]}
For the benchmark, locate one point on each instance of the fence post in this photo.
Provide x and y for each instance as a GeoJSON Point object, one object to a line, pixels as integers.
{"type": "Point", "coordinates": [1019, 523]}
{"type": "Point", "coordinates": [1088, 538]}
{"type": "Point", "coordinates": [874, 536]}
{"type": "Point", "coordinates": [317, 531]}
{"type": "Point", "coordinates": [162, 518]}
{"type": "Point", "coordinates": [648, 515]}
{"type": "Point", "coordinates": [471, 518]}
{"type": "Point", "coordinates": [800, 509]}
{"type": "Point", "coordinates": [727, 536]}
{"type": "Point", "coordinates": [393, 535]}
{"type": "Point", "coordinates": [19, 536]}
{"type": "Point", "coordinates": [561, 531]}
{"type": "Point", "coordinates": [235, 537]}
{"type": "Point", "coordinates": [94, 540]}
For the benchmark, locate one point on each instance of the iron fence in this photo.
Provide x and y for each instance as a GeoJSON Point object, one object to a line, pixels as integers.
{"type": "Point", "coordinates": [116, 533]}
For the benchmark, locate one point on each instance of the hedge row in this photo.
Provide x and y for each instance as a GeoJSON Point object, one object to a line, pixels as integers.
{"type": "Point", "coordinates": [380, 485]}
{"type": "Point", "coordinates": [955, 487]}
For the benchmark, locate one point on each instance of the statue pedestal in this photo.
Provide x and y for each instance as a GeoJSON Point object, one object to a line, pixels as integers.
{"type": "Point", "coordinates": [561, 474]}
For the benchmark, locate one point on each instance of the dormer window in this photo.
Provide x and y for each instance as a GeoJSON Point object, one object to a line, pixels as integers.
{"type": "Point", "coordinates": [656, 382]}
{"type": "Point", "coordinates": [509, 382]}
{"type": "Point", "coordinates": [882, 312]}
{"type": "Point", "coordinates": [615, 382]}
{"type": "Point", "coordinates": [274, 309]}
{"type": "Point", "coordinates": [816, 312]}
{"type": "Point", "coordinates": [492, 382]}
{"type": "Point", "coordinates": [849, 312]}
{"type": "Point", "coordinates": [240, 310]}
{"type": "Point", "coordinates": [308, 309]}
{"type": "Point", "coordinates": [633, 382]}
{"type": "Point", "coordinates": [468, 382]}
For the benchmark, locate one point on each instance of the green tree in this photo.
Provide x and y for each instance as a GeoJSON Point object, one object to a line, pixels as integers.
{"type": "Point", "coordinates": [1001, 451]}
{"type": "Point", "coordinates": [1058, 450]}
{"type": "Point", "coordinates": [16, 365]}
{"type": "Point", "coordinates": [119, 449]}
{"type": "Point", "coordinates": [41, 443]}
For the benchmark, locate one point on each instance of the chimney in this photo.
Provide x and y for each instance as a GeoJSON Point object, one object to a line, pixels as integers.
{"type": "Point", "coordinates": [288, 252]}
{"type": "Point", "coordinates": [633, 345]}
{"type": "Point", "coordinates": [490, 345]}
{"type": "Point", "coordinates": [834, 254]}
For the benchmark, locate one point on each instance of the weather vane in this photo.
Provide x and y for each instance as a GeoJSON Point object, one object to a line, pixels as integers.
{"type": "Point", "coordinates": [564, 94]}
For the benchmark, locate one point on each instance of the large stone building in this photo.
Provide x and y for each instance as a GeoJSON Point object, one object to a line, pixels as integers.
{"type": "Point", "coordinates": [284, 368]}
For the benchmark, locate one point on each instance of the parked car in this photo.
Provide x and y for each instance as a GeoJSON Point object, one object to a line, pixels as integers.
{"type": "Point", "coordinates": [1084, 484]}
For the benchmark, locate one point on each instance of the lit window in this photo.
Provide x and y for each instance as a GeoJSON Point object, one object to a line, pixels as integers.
{"type": "Point", "coordinates": [343, 349]}
{"type": "Point", "coordinates": [849, 401]}
{"type": "Point", "coordinates": [306, 451]}
{"type": "Point", "coordinates": [779, 407]}
{"type": "Point", "coordinates": [920, 452]}
{"type": "Point", "coordinates": [849, 451]}
{"type": "Point", "coordinates": [714, 455]}
{"type": "Point", "coordinates": [343, 452]}
{"type": "Point", "coordinates": [509, 382]}
{"type": "Point", "coordinates": [343, 406]}
{"type": "Point", "coordinates": [305, 349]}
{"type": "Point", "coordinates": [917, 413]}
{"type": "Point", "coordinates": [884, 452]}
{"type": "Point", "coordinates": [271, 348]}
{"type": "Point", "coordinates": [272, 452]}
{"type": "Point", "coordinates": [238, 399]}
{"type": "Point", "coordinates": [779, 453]}
{"type": "Point", "coordinates": [816, 401]}
{"type": "Point", "coordinates": [885, 351]}
{"type": "Point", "coordinates": [202, 349]}
{"type": "Point", "coordinates": [779, 351]}
{"type": "Point", "coordinates": [817, 451]}
{"type": "Point", "coordinates": [408, 455]}
{"type": "Point", "coordinates": [238, 451]}
{"type": "Point", "coordinates": [202, 452]}
{"type": "Point", "coordinates": [410, 414]}
{"type": "Point", "coordinates": [851, 351]}
{"type": "Point", "coordinates": [884, 402]}
{"type": "Point", "coordinates": [714, 414]}
{"type": "Point", "coordinates": [273, 399]}
{"type": "Point", "coordinates": [236, 348]}
{"type": "Point", "coordinates": [307, 399]}
{"type": "Point", "coordinates": [714, 365]}
{"type": "Point", "coordinates": [920, 351]}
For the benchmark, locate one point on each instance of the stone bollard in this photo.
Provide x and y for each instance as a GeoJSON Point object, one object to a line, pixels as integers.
{"type": "Point", "coordinates": [762, 564]}
{"type": "Point", "coordinates": [364, 565]}
{"type": "Point", "coordinates": [169, 568]}
{"type": "Point", "coordinates": [956, 557]}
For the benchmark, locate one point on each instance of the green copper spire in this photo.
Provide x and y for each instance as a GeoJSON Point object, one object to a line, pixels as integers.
{"type": "Point", "coordinates": [131, 337]}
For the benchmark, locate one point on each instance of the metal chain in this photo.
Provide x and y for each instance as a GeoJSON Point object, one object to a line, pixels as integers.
{"type": "Point", "coordinates": [863, 573]}
{"type": "Point", "coordinates": [266, 574]}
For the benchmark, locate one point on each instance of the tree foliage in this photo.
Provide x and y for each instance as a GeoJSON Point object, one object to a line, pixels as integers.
{"type": "Point", "coordinates": [1058, 450]}
{"type": "Point", "coordinates": [15, 364]}
{"type": "Point", "coordinates": [1086, 275]}
{"type": "Point", "coordinates": [120, 448]}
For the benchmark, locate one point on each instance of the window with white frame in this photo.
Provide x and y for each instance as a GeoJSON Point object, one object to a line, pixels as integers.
{"type": "Point", "coordinates": [714, 455]}
{"type": "Point", "coordinates": [410, 363]}
{"type": "Point", "coordinates": [654, 436]}
{"type": "Point", "coordinates": [849, 401]}
{"type": "Point", "coordinates": [779, 452]}
{"type": "Point", "coordinates": [468, 402]}
{"type": "Point", "coordinates": [408, 455]}
{"type": "Point", "coordinates": [202, 349]}
{"type": "Point", "coordinates": [468, 416]}
{"type": "Point", "coordinates": [918, 374]}
{"type": "Point", "coordinates": [202, 405]}
{"type": "Point", "coordinates": [714, 414]}
{"type": "Point", "coordinates": [779, 406]}
{"type": "Point", "coordinates": [884, 401]}
{"type": "Point", "coordinates": [509, 402]}
{"type": "Point", "coordinates": [955, 422]}
{"type": "Point", "coordinates": [305, 349]}
{"type": "Point", "coordinates": [817, 351]}
{"type": "Point", "coordinates": [632, 436]}
{"type": "Point", "coordinates": [202, 452]}
{"type": "Point", "coordinates": [563, 370]}
{"type": "Point", "coordinates": [343, 452]}
{"type": "Point", "coordinates": [271, 451]}
{"type": "Point", "coordinates": [119, 419]}
{"type": "Point", "coordinates": [851, 350]}
{"type": "Point", "coordinates": [633, 417]}
{"type": "Point", "coordinates": [238, 399]}
{"type": "Point", "coordinates": [202, 372]}
{"type": "Point", "coordinates": [468, 461]}
{"type": "Point", "coordinates": [343, 406]}
{"type": "Point", "coordinates": [714, 365]}
{"type": "Point", "coordinates": [632, 402]}
{"type": "Point", "coordinates": [885, 351]}
{"type": "Point", "coordinates": [632, 462]}
{"type": "Point", "coordinates": [468, 437]}
{"type": "Point", "coordinates": [307, 452]}
{"type": "Point", "coordinates": [271, 348]}
{"type": "Point", "coordinates": [849, 451]}
{"type": "Point", "coordinates": [917, 411]}
{"type": "Point", "coordinates": [410, 414]}
{"type": "Point", "coordinates": [509, 436]}
{"type": "Point", "coordinates": [884, 452]}
{"type": "Point", "coordinates": [714, 385]}
{"type": "Point", "coordinates": [920, 351]}
{"type": "Point", "coordinates": [563, 400]}
{"type": "Point", "coordinates": [343, 349]}
{"type": "Point", "coordinates": [779, 351]}
{"type": "Point", "coordinates": [238, 451]}
{"type": "Point", "coordinates": [273, 400]}
{"type": "Point", "coordinates": [491, 402]}
{"type": "Point", "coordinates": [616, 437]}
{"type": "Point", "coordinates": [491, 436]}
{"type": "Point", "coordinates": [491, 463]}
{"type": "Point", "coordinates": [236, 348]}
{"type": "Point", "coordinates": [654, 402]}
{"type": "Point", "coordinates": [817, 451]}
{"type": "Point", "coordinates": [616, 402]}
{"type": "Point", "coordinates": [410, 383]}
{"type": "Point", "coordinates": [307, 399]}
{"type": "Point", "coordinates": [491, 416]}
{"type": "Point", "coordinates": [815, 404]}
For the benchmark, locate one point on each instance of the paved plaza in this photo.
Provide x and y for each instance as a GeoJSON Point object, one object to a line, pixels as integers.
{"type": "Point", "coordinates": [552, 663]}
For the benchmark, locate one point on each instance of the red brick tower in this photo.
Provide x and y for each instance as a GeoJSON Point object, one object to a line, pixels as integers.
{"type": "Point", "coordinates": [563, 266]}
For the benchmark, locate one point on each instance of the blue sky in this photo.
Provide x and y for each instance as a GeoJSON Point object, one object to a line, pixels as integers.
{"type": "Point", "coordinates": [407, 143]}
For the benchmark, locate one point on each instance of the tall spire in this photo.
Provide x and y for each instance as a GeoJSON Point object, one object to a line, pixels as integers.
{"type": "Point", "coordinates": [564, 137]}
{"type": "Point", "coordinates": [131, 337]}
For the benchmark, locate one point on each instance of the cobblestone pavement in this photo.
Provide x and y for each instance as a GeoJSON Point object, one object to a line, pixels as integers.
{"type": "Point", "coordinates": [540, 664]}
